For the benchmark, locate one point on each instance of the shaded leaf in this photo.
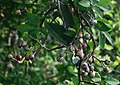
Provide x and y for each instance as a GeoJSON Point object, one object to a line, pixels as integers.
{"type": "Point", "coordinates": [33, 19]}
{"type": "Point", "coordinates": [57, 31]}
{"type": "Point", "coordinates": [25, 28]}
{"type": "Point", "coordinates": [66, 15]}
{"type": "Point", "coordinates": [102, 40]}
{"type": "Point", "coordinates": [43, 30]}
{"type": "Point", "coordinates": [101, 26]}
{"type": "Point", "coordinates": [107, 35]}
{"type": "Point", "coordinates": [70, 33]}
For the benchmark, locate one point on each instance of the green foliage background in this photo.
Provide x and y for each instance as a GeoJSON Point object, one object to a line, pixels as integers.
{"type": "Point", "coordinates": [45, 69]}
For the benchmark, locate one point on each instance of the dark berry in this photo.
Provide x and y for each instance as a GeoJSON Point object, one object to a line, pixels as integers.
{"type": "Point", "coordinates": [59, 59]}
{"type": "Point", "coordinates": [84, 65]}
{"type": "Point", "coordinates": [107, 62]}
{"type": "Point", "coordinates": [27, 57]}
{"type": "Point", "coordinates": [106, 69]}
{"type": "Point", "coordinates": [32, 56]}
{"type": "Point", "coordinates": [87, 37]}
{"type": "Point", "coordinates": [82, 72]}
{"type": "Point", "coordinates": [19, 57]}
{"type": "Point", "coordinates": [19, 45]}
{"type": "Point", "coordinates": [67, 58]}
{"type": "Point", "coordinates": [26, 48]}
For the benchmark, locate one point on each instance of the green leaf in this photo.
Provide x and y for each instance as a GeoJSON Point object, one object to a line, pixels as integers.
{"type": "Point", "coordinates": [107, 35]}
{"type": "Point", "coordinates": [112, 81]}
{"type": "Point", "coordinates": [33, 19]}
{"type": "Point", "coordinates": [96, 79]}
{"type": "Point", "coordinates": [104, 2]}
{"type": "Point", "coordinates": [84, 3]}
{"type": "Point", "coordinates": [57, 31]}
{"type": "Point", "coordinates": [75, 80]}
{"type": "Point", "coordinates": [25, 28]}
{"type": "Point", "coordinates": [101, 26]}
{"type": "Point", "coordinates": [70, 33]}
{"type": "Point", "coordinates": [66, 15]}
{"type": "Point", "coordinates": [1, 84]}
{"type": "Point", "coordinates": [43, 30]}
{"type": "Point", "coordinates": [102, 40]}
{"type": "Point", "coordinates": [71, 69]}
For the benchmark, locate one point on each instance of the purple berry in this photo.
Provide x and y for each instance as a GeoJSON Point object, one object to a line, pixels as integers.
{"type": "Point", "coordinates": [93, 21]}
{"type": "Point", "coordinates": [19, 57]}
{"type": "Point", "coordinates": [106, 69]}
{"type": "Point", "coordinates": [84, 45]}
{"type": "Point", "coordinates": [23, 44]}
{"type": "Point", "coordinates": [32, 56]}
{"type": "Point", "coordinates": [27, 57]}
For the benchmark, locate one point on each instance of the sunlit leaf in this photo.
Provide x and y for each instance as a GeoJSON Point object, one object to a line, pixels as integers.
{"type": "Point", "coordinates": [104, 2]}
{"type": "Point", "coordinates": [84, 3]}
{"type": "Point", "coordinates": [112, 81]}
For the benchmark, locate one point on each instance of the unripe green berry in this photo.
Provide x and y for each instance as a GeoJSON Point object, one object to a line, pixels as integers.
{"type": "Point", "coordinates": [91, 68]}
{"type": "Point", "coordinates": [85, 74]}
{"type": "Point", "coordinates": [92, 74]}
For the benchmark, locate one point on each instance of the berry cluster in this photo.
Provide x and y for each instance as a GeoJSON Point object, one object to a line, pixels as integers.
{"type": "Point", "coordinates": [28, 54]}
{"type": "Point", "coordinates": [82, 56]}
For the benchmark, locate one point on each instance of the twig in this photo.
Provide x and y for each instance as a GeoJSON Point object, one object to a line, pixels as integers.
{"type": "Point", "coordinates": [43, 46]}
{"type": "Point", "coordinates": [93, 83]}
{"type": "Point", "coordinates": [79, 75]}
{"type": "Point", "coordinates": [50, 10]}
{"type": "Point", "coordinates": [92, 40]}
